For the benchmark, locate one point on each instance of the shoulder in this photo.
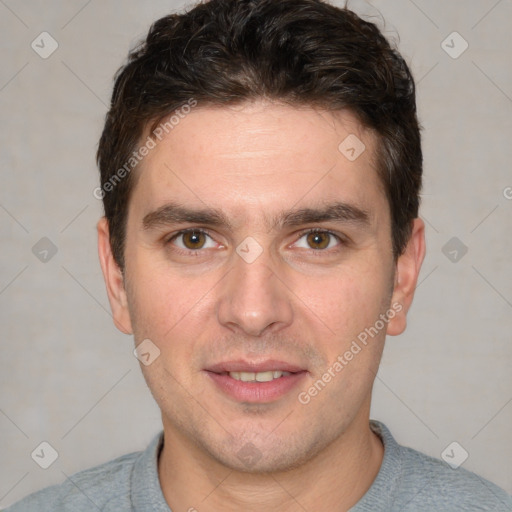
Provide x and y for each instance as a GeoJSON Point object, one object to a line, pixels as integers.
{"type": "Point", "coordinates": [104, 487]}
{"type": "Point", "coordinates": [434, 482]}
{"type": "Point", "coordinates": [413, 481]}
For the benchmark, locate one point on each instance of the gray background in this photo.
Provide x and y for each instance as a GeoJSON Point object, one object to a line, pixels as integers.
{"type": "Point", "coordinates": [69, 378]}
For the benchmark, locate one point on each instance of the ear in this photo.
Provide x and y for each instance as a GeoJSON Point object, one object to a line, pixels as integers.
{"type": "Point", "coordinates": [406, 276]}
{"type": "Point", "coordinates": [113, 279]}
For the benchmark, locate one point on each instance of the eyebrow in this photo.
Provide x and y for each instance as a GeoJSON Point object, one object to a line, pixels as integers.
{"type": "Point", "coordinates": [175, 213]}
{"type": "Point", "coordinates": [334, 212]}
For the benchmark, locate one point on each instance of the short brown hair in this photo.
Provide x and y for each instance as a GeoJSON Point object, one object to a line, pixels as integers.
{"type": "Point", "coordinates": [302, 52]}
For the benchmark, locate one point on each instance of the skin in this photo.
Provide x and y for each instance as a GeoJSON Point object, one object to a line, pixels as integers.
{"type": "Point", "coordinates": [303, 300]}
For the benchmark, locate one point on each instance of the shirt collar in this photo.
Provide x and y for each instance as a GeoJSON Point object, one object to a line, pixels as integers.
{"type": "Point", "coordinates": [145, 490]}
{"type": "Point", "coordinates": [382, 492]}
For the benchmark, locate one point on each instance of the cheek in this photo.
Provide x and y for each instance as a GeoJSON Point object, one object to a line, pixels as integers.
{"type": "Point", "coordinates": [156, 300]}
{"type": "Point", "coordinates": [347, 301]}
{"type": "Point", "coordinates": [351, 308]}
{"type": "Point", "coordinates": [172, 311]}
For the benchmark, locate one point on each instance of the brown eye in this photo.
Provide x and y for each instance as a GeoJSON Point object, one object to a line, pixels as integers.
{"type": "Point", "coordinates": [318, 240]}
{"type": "Point", "coordinates": [194, 239]}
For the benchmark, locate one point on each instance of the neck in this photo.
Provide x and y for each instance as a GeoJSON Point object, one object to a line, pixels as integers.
{"type": "Point", "coordinates": [336, 478]}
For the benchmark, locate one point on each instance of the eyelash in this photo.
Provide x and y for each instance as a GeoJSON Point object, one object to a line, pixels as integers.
{"type": "Point", "coordinates": [188, 252]}
{"type": "Point", "coordinates": [322, 252]}
{"type": "Point", "coordinates": [317, 252]}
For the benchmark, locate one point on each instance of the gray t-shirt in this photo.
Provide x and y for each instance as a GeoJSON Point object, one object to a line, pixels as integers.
{"type": "Point", "coordinates": [408, 481]}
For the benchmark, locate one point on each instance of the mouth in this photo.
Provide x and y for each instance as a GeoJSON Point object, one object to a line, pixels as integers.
{"type": "Point", "coordinates": [261, 382]}
{"type": "Point", "coordinates": [257, 376]}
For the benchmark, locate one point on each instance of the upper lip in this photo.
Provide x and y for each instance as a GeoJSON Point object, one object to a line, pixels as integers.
{"type": "Point", "coordinates": [251, 366]}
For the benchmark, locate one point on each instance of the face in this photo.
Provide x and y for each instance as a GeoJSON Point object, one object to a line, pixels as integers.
{"type": "Point", "coordinates": [255, 245]}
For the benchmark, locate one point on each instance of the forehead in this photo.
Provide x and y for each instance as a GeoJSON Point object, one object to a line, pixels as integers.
{"type": "Point", "coordinates": [263, 156]}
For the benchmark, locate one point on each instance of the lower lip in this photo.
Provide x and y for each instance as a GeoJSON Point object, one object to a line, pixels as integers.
{"type": "Point", "coordinates": [257, 392]}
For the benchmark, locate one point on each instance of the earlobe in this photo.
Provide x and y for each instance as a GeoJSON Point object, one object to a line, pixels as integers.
{"type": "Point", "coordinates": [408, 267]}
{"type": "Point", "coordinates": [113, 279]}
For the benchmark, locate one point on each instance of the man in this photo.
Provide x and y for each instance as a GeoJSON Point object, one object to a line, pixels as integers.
{"type": "Point", "coordinates": [260, 172]}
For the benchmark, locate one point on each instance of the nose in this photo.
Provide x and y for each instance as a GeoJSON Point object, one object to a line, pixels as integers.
{"type": "Point", "coordinates": [253, 298]}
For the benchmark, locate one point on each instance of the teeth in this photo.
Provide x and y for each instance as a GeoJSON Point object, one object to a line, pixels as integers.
{"type": "Point", "coordinates": [258, 377]}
